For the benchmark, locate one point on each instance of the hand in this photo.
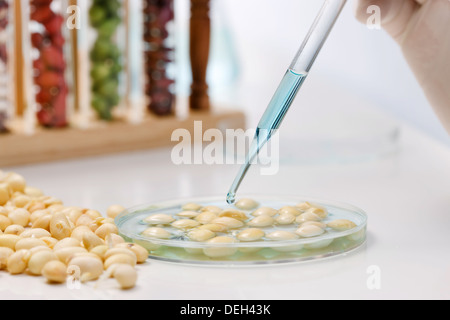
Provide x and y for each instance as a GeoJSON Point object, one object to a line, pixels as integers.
{"type": "Point", "coordinates": [421, 28]}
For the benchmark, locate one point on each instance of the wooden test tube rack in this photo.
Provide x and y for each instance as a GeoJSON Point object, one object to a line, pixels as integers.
{"type": "Point", "coordinates": [17, 148]}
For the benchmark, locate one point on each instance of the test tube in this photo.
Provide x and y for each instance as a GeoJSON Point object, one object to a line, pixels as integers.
{"type": "Point", "coordinates": [106, 56]}
{"type": "Point", "coordinates": [49, 55]}
{"type": "Point", "coordinates": [6, 62]}
{"type": "Point", "coordinates": [159, 56]}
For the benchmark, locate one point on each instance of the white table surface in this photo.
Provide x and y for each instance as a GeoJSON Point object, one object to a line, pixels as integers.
{"type": "Point", "coordinates": [406, 195]}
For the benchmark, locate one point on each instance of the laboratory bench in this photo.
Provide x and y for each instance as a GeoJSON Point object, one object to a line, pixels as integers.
{"type": "Point", "coordinates": [405, 192]}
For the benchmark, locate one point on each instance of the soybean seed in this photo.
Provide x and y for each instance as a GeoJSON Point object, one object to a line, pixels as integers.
{"type": "Point", "coordinates": [185, 224]}
{"type": "Point", "coordinates": [84, 254]}
{"type": "Point", "coordinates": [16, 182]}
{"type": "Point", "coordinates": [310, 231]}
{"type": "Point", "coordinates": [140, 252]}
{"type": "Point", "coordinates": [285, 219]}
{"type": "Point", "coordinates": [39, 260]}
{"type": "Point", "coordinates": [5, 253]}
{"type": "Point", "coordinates": [218, 252]}
{"type": "Point", "coordinates": [5, 222]}
{"type": "Point", "coordinates": [262, 221]}
{"type": "Point", "coordinates": [49, 242]}
{"type": "Point", "coordinates": [188, 214]}
{"type": "Point", "coordinates": [158, 233]}
{"type": "Point", "coordinates": [94, 214]}
{"type": "Point", "coordinates": [319, 211]}
{"type": "Point", "coordinates": [250, 235]}
{"type": "Point", "coordinates": [90, 241]}
{"type": "Point", "coordinates": [38, 214]}
{"type": "Point", "coordinates": [35, 233]}
{"type": "Point", "coordinates": [35, 206]}
{"type": "Point", "coordinates": [90, 268]}
{"type": "Point", "coordinates": [21, 201]}
{"type": "Point", "coordinates": [33, 192]}
{"type": "Point", "coordinates": [39, 249]}
{"type": "Point", "coordinates": [342, 225]}
{"type": "Point", "coordinates": [29, 243]}
{"type": "Point", "coordinates": [20, 217]}
{"type": "Point", "coordinates": [308, 216]}
{"type": "Point", "coordinates": [100, 251]}
{"type": "Point", "coordinates": [230, 223]}
{"type": "Point", "coordinates": [315, 223]}
{"type": "Point", "coordinates": [290, 210]}
{"type": "Point", "coordinates": [55, 272]}
{"type": "Point", "coordinates": [4, 194]}
{"type": "Point", "coordinates": [120, 259]}
{"type": "Point", "coordinates": [115, 251]}
{"type": "Point", "coordinates": [53, 205]}
{"type": "Point", "coordinates": [247, 204]}
{"type": "Point", "coordinates": [3, 211]}
{"type": "Point", "coordinates": [15, 230]}
{"type": "Point", "coordinates": [113, 239]}
{"type": "Point", "coordinates": [78, 232]}
{"type": "Point", "coordinates": [64, 254]}
{"type": "Point", "coordinates": [18, 262]}
{"type": "Point", "coordinates": [304, 206]}
{"type": "Point", "coordinates": [84, 220]}
{"type": "Point", "coordinates": [213, 209]}
{"type": "Point", "coordinates": [67, 243]}
{"type": "Point", "coordinates": [43, 222]}
{"type": "Point", "coordinates": [265, 211]}
{"type": "Point", "coordinates": [114, 211]}
{"type": "Point", "coordinates": [192, 207]}
{"type": "Point", "coordinates": [214, 227]}
{"type": "Point", "coordinates": [73, 214]}
{"type": "Point", "coordinates": [206, 217]}
{"type": "Point", "coordinates": [104, 230]}
{"type": "Point", "coordinates": [281, 235]}
{"type": "Point", "coordinates": [235, 214]}
{"type": "Point", "coordinates": [125, 275]}
{"type": "Point", "coordinates": [159, 219]}
{"type": "Point", "coordinates": [201, 235]}
{"type": "Point", "coordinates": [60, 227]}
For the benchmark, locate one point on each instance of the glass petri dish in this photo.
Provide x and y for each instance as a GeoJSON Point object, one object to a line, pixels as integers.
{"type": "Point", "coordinates": [180, 249]}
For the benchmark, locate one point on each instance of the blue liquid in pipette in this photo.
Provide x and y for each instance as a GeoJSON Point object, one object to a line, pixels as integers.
{"type": "Point", "coordinates": [270, 121]}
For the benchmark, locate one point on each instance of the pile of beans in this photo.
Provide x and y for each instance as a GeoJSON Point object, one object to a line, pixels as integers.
{"type": "Point", "coordinates": [4, 78]}
{"type": "Point", "coordinates": [50, 65]}
{"type": "Point", "coordinates": [105, 57]}
{"type": "Point", "coordinates": [158, 55]}
{"type": "Point", "coordinates": [41, 237]}
{"type": "Point", "coordinates": [249, 222]}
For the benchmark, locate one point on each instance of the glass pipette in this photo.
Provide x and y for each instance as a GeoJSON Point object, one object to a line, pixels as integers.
{"type": "Point", "coordinates": [290, 85]}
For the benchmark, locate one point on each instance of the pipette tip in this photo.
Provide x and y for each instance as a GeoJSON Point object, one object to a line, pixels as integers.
{"type": "Point", "coordinates": [231, 198]}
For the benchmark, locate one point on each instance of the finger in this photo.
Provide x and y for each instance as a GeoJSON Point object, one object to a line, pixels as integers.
{"type": "Point", "coordinates": [395, 14]}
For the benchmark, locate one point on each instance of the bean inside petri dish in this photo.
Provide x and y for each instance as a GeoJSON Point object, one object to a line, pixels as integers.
{"type": "Point", "coordinates": [256, 230]}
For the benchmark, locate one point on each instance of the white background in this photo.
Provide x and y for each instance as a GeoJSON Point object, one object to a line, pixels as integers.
{"type": "Point", "coordinates": [368, 63]}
